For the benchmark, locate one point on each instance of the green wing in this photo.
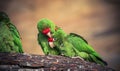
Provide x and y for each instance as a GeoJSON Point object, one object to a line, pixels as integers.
{"type": "Point", "coordinates": [9, 36]}
{"type": "Point", "coordinates": [76, 35]}
{"type": "Point", "coordinates": [42, 40]}
{"type": "Point", "coordinates": [66, 48]}
{"type": "Point", "coordinates": [85, 50]}
{"type": "Point", "coordinates": [80, 43]}
{"type": "Point", "coordinates": [16, 37]}
{"type": "Point", "coordinates": [9, 39]}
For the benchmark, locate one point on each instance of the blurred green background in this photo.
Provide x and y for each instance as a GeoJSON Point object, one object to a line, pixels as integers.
{"type": "Point", "coordinates": [98, 21]}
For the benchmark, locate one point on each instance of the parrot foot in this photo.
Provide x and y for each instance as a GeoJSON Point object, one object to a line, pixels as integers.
{"type": "Point", "coordinates": [79, 58]}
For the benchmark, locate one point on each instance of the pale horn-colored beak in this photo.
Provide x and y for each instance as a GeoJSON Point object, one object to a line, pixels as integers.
{"type": "Point", "coordinates": [49, 34]}
{"type": "Point", "coordinates": [51, 44]}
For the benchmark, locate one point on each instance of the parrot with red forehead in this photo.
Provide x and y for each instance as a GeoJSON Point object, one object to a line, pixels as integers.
{"type": "Point", "coordinates": [45, 29]}
{"type": "Point", "coordinates": [52, 37]}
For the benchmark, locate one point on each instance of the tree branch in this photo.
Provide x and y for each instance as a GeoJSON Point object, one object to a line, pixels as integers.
{"type": "Point", "coordinates": [25, 62]}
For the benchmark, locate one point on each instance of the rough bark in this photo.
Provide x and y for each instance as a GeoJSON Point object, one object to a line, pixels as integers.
{"type": "Point", "coordinates": [28, 62]}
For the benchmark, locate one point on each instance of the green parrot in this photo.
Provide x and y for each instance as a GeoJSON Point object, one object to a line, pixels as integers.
{"type": "Point", "coordinates": [10, 40]}
{"type": "Point", "coordinates": [70, 45]}
{"type": "Point", "coordinates": [60, 41]}
{"type": "Point", "coordinates": [45, 28]}
{"type": "Point", "coordinates": [73, 45]}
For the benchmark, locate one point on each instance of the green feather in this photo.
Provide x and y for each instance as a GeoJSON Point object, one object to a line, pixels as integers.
{"type": "Point", "coordinates": [71, 45]}
{"type": "Point", "coordinates": [45, 23]}
{"type": "Point", "coordinates": [88, 53]}
{"type": "Point", "coordinates": [75, 45]}
{"type": "Point", "coordinates": [9, 36]}
{"type": "Point", "coordinates": [43, 39]}
{"type": "Point", "coordinates": [74, 35]}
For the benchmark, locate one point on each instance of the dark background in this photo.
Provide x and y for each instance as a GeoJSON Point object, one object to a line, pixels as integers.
{"type": "Point", "coordinates": [98, 21]}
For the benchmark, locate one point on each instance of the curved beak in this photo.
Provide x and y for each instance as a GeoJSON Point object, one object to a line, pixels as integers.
{"type": "Point", "coordinates": [51, 44]}
{"type": "Point", "coordinates": [49, 34]}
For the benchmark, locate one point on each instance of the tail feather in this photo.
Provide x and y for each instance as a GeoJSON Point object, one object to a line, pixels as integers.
{"type": "Point", "coordinates": [105, 63]}
{"type": "Point", "coordinates": [98, 60]}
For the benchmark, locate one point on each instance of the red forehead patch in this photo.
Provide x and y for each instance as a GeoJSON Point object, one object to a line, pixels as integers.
{"type": "Point", "coordinates": [45, 31]}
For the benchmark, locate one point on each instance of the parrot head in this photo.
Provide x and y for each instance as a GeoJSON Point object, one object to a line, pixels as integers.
{"type": "Point", "coordinates": [4, 17]}
{"type": "Point", "coordinates": [59, 33]}
{"type": "Point", "coordinates": [46, 27]}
